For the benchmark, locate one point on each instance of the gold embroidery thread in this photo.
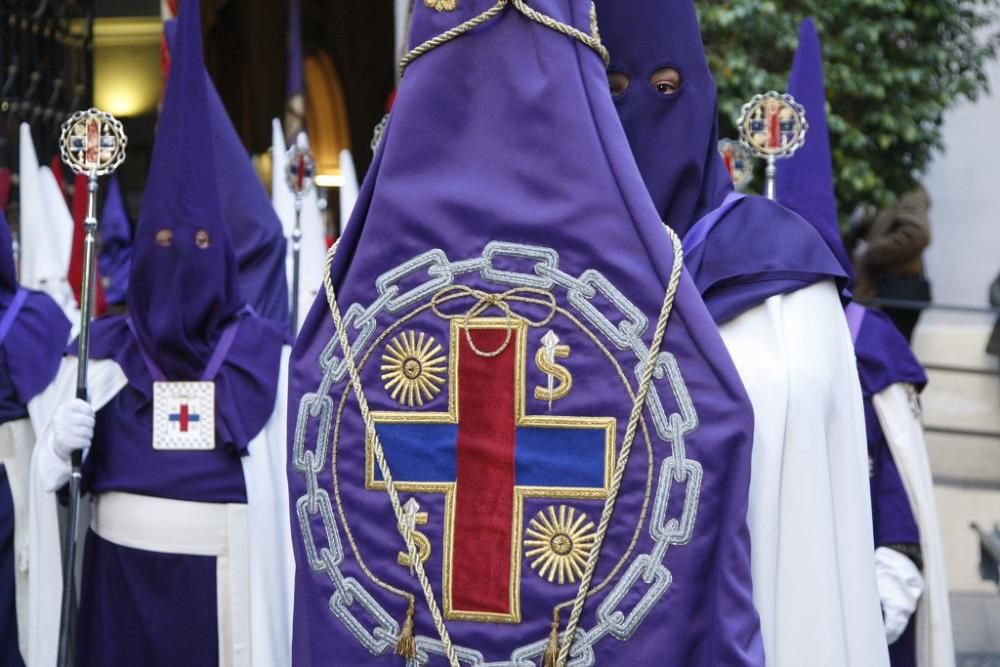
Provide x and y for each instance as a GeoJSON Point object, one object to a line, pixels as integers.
{"type": "Point", "coordinates": [559, 543]}
{"type": "Point", "coordinates": [441, 5]}
{"type": "Point", "coordinates": [413, 368]}
{"type": "Point", "coordinates": [545, 359]}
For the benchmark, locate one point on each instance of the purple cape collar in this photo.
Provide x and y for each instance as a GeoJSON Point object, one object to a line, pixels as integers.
{"type": "Point", "coordinates": [884, 356]}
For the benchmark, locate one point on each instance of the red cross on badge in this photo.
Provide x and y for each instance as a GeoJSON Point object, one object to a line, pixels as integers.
{"type": "Point", "coordinates": [184, 415]}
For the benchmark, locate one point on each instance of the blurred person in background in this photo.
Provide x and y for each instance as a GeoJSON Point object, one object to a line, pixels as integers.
{"type": "Point", "coordinates": [888, 257]}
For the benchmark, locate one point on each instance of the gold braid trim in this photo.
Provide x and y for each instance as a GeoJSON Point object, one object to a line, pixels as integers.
{"type": "Point", "coordinates": [623, 456]}
{"type": "Point", "coordinates": [404, 528]}
{"type": "Point", "coordinates": [401, 523]}
{"type": "Point", "coordinates": [593, 40]}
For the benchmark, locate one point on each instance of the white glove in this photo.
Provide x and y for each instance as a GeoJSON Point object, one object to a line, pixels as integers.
{"type": "Point", "coordinates": [900, 586]}
{"type": "Point", "coordinates": [72, 428]}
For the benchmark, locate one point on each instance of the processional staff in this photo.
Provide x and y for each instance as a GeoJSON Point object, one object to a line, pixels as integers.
{"type": "Point", "coordinates": [92, 143]}
{"type": "Point", "coordinates": [772, 126]}
{"type": "Point", "coordinates": [300, 173]}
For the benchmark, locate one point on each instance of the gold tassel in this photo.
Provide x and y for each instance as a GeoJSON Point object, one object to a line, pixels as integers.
{"type": "Point", "coordinates": [406, 647]}
{"type": "Point", "coordinates": [551, 655]}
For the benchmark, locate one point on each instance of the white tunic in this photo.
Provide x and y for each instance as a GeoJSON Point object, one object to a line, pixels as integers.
{"type": "Point", "coordinates": [267, 558]}
{"type": "Point", "coordinates": [812, 546]}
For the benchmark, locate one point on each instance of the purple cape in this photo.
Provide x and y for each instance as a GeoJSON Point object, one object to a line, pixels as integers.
{"type": "Point", "coordinates": [503, 167]}
{"type": "Point", "coordinates": [805, 182]}
{"type": "Point", "coordinates": [255, 232]}
{"type": "Point", "coordinates": [757, 249]}
{"type": "Point", "coordinates": [32, 346]}
{"type": "Point", "coordinates": [116, 245]}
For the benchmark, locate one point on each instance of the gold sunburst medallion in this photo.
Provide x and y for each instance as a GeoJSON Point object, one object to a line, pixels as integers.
{"type": "Point", "coordinates": [413, 368]}
{"type": "Point", "coordinates": [558, 544]}
{"type": "Point", "coordinates": [441, 5]}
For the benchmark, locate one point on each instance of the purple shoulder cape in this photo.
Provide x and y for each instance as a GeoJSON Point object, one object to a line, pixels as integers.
{"type": "Point", "coordinates": [245, 386]}
{"type": "Point", "coordinates": [33, 348]}
{"type": "Point", "coordinates": [884, 356]}
{"type": "Point", "coordinates": [754, 250]}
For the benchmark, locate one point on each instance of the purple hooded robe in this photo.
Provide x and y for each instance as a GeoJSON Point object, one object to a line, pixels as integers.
{"type": "Point", "coordinates": [116, 245]}
{"type": "Point", "coordinates": [503, 167]}
{"type": "Point", "coordinates": [185, 304]}
{"type": "Point", "coordinates": [771, 282]}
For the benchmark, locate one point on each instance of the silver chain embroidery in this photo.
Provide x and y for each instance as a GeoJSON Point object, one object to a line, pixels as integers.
{"type": "Point", "coordinates": [325, 552]}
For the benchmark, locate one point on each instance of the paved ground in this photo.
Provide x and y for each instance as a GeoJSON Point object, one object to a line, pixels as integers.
{"type": "Point", "coordinates": [978, 660]}
{"type": "Point", "coordinates": [975, 618]}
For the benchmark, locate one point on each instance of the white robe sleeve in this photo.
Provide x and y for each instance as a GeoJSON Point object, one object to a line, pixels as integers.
{"type": "Point", "coordinates": [272, 573]}
{"type": "Point", "coordinates": [105, 379]}
{"type": "Point", "coordinates": [812, 546]}
{"type": "Point", "coordinates": [905, 435]}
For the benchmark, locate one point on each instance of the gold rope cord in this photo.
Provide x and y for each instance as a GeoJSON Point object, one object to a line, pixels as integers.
{"type": "Point", "coordinates": [593, 40]}
{"type": "Point", "coordinates": [437, 300]}
{"type": "Point", "coordinates": [623, 455]}
{"type": "Point", "coordinates": [390, 486]}
{"type": "Point", "coordinates": [622, 461]}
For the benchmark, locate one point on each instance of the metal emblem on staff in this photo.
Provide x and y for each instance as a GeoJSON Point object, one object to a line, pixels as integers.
{"type": "Point", "coordinates": [738, 161]}
{"type": "Point", "coordinates": [772, 126]}
{"type": "Point", "coordinates": [300, 172]}
{"type": "Point", "coordinates": [92, 143]}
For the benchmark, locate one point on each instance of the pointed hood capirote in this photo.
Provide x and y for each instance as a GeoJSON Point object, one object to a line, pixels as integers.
{"type": "Point", "coordinates": [184, 284]}
{"type": "Point", "coordinates": [805, 182]}
{"type": "Point", "coordinates": [740, 250]}
{"type": "Point", "coordinates": [116, 244]}
{"type": "Point", "coordinates": [255, 232]}
{"type": "Point", "coordinates": [674, 138]}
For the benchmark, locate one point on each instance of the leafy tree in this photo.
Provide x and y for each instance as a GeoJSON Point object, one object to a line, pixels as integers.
{"type": "Point", "coordinates": [893, 67]}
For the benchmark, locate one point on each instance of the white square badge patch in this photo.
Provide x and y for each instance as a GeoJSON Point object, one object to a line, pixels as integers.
{"type": "Point", "coordinates": [184, 416]}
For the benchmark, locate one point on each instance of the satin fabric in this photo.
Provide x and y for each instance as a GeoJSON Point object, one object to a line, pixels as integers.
{"type": "Point", "coordinates": [124, 583]}
{"type": "Point", "coordinates": [115, 259]}
{"type": "Point", "coordinates": [10, 654]}
{"type": "Point", "coordinates": [508, 134]}
{"type": "Point", "coordinates": [255, 232]}
{"type": "Point", "coordinates": [885, 359]}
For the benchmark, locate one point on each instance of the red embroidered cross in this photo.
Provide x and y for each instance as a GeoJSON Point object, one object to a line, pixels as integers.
{"type": "Point", "coordinates": [487, 462]}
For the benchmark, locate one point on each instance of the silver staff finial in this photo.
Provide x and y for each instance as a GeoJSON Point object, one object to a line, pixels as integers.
{"type": "Point", "coordinates": [300, 175]}
{"type": "Point", "coordinates": [772, 126]}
